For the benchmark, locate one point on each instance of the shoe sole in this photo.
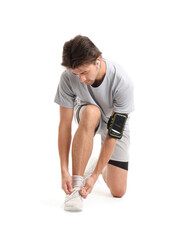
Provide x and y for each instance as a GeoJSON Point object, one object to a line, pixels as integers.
{"type": "Point", "coordinates": [72, 209]}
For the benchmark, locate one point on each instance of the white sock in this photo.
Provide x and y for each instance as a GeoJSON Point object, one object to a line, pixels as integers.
{"type": "Point", "coordinates": [77, 181]}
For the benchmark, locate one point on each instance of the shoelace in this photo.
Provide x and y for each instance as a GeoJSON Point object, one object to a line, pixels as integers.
{"type": "Point", "coordinates": [74, 194]}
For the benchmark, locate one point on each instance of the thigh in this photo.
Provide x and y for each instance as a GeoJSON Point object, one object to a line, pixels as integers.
{"type": "Point", "coordinates": [116, 180]}
{"type": "Point", "coordinates": [122, 147]}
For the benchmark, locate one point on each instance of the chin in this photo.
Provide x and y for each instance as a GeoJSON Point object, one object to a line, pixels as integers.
{"type": "Point", "coordinates": [89, 82]}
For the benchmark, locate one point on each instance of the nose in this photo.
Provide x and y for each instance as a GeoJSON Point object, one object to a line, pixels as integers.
{"type": "Point", "coordinates": [82, 79]}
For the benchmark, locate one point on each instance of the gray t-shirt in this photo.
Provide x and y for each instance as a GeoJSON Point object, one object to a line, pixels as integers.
{"type": "Point", "coordinates": [114, 94]}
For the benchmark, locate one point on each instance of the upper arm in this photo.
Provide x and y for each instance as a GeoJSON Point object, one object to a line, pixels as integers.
{"type": "Point", "coordinates": [123, 97]}
{"type": "Point", "coordinates": [65, 96]}
{"type": "Point", "coordinates": [66, 115]}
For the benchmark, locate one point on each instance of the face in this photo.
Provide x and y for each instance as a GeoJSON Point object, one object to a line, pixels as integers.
{"type": "Point", "coordinates": [87, 73]}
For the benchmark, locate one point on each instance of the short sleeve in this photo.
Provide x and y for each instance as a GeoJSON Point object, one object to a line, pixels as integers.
{"type": "Point", "coordinates": [64, 95]}
{"type": "Point", "coordinates": [123, 99]}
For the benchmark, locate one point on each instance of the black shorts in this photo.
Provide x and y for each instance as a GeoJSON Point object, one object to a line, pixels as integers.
{"type": "Point", "coordinates": [119, 164]}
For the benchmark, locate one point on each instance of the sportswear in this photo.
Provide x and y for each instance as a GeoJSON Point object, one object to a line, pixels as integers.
{"type": "Point", "coordinates": [114, 94]}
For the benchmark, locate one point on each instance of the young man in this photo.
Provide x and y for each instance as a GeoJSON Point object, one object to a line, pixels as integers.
{"type": "Point", "coordinates": [99, 94]}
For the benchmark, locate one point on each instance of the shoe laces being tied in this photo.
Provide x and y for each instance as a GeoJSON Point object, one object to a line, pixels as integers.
{"type": "Point", "coordinates": [73, 195]}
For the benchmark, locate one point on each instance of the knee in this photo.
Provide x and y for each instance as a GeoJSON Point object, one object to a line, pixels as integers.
{"type": "Point", "coordinates": [91, 111]}
{"type": "Point", "coordinates": [91, 115]}
{"type": "Point", "coordinates": [118, 192]}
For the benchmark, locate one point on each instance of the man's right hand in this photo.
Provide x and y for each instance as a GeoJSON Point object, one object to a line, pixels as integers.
{"type": "Point", "coordinates": [67, 183]}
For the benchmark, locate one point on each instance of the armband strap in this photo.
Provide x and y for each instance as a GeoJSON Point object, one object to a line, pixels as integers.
{"type": "Point", "coordinates": [116, 125]}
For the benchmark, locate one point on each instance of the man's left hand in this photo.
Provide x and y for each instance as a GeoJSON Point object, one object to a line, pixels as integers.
{"type": "Point", "coordinates": [90, 182]}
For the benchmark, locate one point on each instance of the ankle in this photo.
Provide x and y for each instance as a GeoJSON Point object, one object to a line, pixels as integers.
{"type": "Point", "coordinates": [77, 181]}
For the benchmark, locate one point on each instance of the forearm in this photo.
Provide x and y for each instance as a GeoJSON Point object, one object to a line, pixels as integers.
{"type": "Point", "coordinates": [64, 142]}
{"type": "Point", "coordinates": [105, 155]}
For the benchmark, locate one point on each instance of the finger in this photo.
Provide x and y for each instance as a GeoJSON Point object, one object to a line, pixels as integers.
{"type": "Point", "coordinates": [64, 187]}
{"type": "Point", "coordinates": [83, 192]}
{"type": "Point", "coordinates": [88, 190]}
{"type": "Point", "coordinates": [69, 187]}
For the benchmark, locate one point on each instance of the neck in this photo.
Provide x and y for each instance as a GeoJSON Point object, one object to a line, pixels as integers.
{"type": "Point", "coordinates": [102, 71]}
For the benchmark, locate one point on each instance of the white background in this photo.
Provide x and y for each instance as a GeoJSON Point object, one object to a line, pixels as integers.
{"type": "Point", "coordinates": [150, 39]}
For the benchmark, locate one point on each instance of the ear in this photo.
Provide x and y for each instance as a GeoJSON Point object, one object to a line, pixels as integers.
{"type": "Point", "coordinates": [98, 63]}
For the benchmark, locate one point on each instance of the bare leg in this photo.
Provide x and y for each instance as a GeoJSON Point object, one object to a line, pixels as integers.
{"type": "Point", "coordinates": [83, 140]}
{"type": "Point", "coordinates": [116, 179]}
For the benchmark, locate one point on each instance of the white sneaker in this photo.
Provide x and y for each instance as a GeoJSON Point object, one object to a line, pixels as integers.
{"type": "Point", "coordinates": [74, 201]}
